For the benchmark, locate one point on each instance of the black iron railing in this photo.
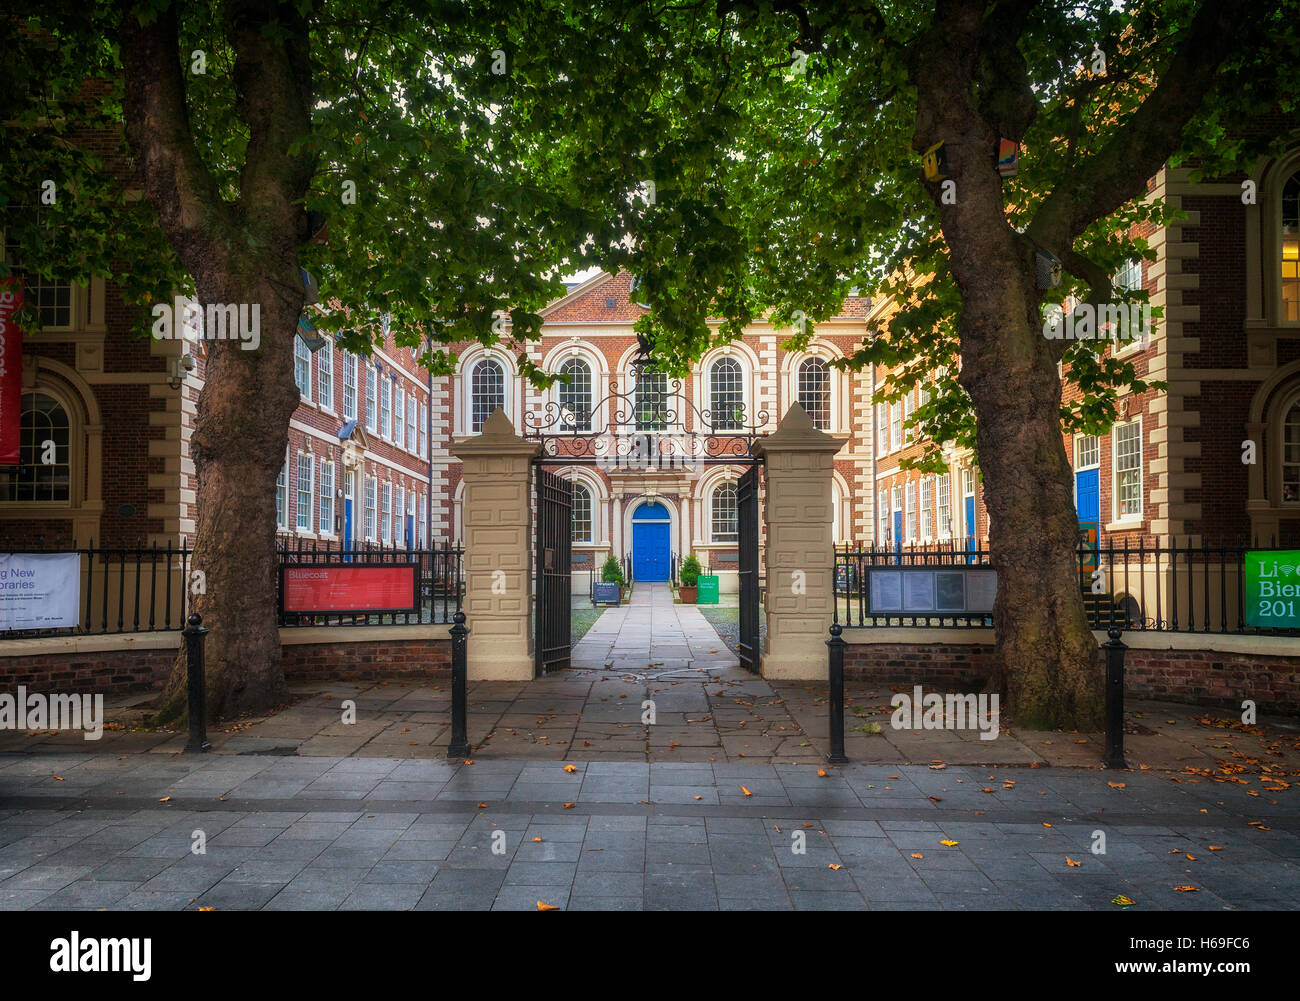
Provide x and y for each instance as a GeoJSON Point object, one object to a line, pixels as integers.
{"type": "Point", "coordinates": [1152, 584]}
{"type": "Point", "coordinates": [127, 588]}
{"type": "Point", "coordinates": [440, 570]}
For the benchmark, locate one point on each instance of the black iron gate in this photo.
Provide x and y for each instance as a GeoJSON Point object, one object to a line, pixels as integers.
{"type": "Point", "coordinates": [552, 629]}
{"type": "Point", "coordinates": [748, 645]}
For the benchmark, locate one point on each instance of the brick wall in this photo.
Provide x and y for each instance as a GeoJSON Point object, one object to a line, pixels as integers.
{"type": "Point", "coordinates": [111, 672]}
{"type": "Point", "coordinates": [115, 672]}
{"type": "Point", "coordinates": [1194, 676]}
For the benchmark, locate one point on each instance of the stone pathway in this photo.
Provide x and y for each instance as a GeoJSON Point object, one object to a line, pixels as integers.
{"type": "Point", "coordinates": [651, 631]}
{"type": "Point", "coordinates": [89, 831]}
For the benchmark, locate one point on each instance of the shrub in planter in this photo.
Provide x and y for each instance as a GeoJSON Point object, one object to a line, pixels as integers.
{"type": "Point", "coordinates": [612, 571]}
{"type": "Point", "coordinates": [690, 578]}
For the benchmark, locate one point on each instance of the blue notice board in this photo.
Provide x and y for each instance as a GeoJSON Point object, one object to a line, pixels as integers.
{"type": "Point", "coordinates": [605, 593]}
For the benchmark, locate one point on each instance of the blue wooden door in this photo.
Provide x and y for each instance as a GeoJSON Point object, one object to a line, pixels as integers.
{"type": "Point", "coordinates": [1087, 495]}
{"type": "Point", "coordinates": [898, 529]}
{"type": "Point", "coordinates": [347, 527]}
{"type": "Point", "coordinates": [650, 550]}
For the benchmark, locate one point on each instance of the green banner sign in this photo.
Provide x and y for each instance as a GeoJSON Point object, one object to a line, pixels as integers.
{"type": "Point", "coordinates": [707, 594]}
{"type": "Point", "coordinates": [1273, 590]}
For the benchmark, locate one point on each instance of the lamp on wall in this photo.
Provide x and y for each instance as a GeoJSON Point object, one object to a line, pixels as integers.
{"type": "Point", "coordinates": [181, 367]}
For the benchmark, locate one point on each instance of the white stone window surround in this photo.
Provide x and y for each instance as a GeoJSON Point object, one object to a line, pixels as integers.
{"type": "Point", "coordinates": [463, 387]}
{"type": "Point", "coordinates": [743, 355]}
{"type": "Point", "coordinates": [839, 416]}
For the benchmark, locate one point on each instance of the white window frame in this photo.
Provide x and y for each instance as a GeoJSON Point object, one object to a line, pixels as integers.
{"type": "Point", "coordinates": [1080, 463]}
{"type": "Point", "coordinates": [593, 377]}
{"type": "Point", "coordinates": [412, 411]}
{"type": "Point", "coordinates": [371, 510]}
{"type": "Point", "coordinates": [282, 494]}
{"type": "Point", "coordinates": [714, 535]}
{"type": "Point", "coordinates": [909, 512]}
{"type": "Point", "coordinates": [325, 376]}
{"type": "Point", "coordinates": [832, 397]}
{"type": "Point", "coordinates": [743, 383]}
{"type": "Point", "coordinates": [1116, 472]}
{"type": "Point", "coordinates": [309, 493]}
{"type": "Point", "coordinates": [591, 512]}
{"type": "Point", "coordinates": [506, 403]}
{"type": "Point", "coordinates": [664, 408]}
{"type": "Point", "coordinates": [326, 503]}
{"type": "Point", "coordinates": [372, 398]}
{"type": "Point", "coordinates": [424, 431]}
{"type": "Point", "coordinates": [895, 426]}
{"type": "Point", "coordinates": [386, 409]}
{"type": "Point", "coordinates": [399, 414]}
{"type": "Point", "coordinates": [926, 503]}
{"type": "Point", "coordinates": [399, 504]}
{"type": "Point", "coordinates": [349, 386]}
{"type": "Point", "coordinates": [386, 512]}
{"type": "Point", "coordinates": [943, 505]}
{"type": "Point", "coordinates": [302, 356]}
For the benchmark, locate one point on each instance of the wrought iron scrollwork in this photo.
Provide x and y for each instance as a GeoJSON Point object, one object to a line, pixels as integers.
{"type": "Point", "coordinates": [659, 426]}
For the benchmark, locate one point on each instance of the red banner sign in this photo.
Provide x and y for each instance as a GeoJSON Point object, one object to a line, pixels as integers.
{"type": "Point", "coordinates": [350, 587]}
{"type": "Point", "coordinates": [11, 370]}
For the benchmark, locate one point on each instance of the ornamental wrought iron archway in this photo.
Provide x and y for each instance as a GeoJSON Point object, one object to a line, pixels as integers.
{"type": "Point", "coordinates": [653, 428]}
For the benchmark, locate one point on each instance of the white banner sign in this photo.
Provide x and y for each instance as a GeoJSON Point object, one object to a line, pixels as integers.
{"type": "Point", "coordinates": [39, 590]}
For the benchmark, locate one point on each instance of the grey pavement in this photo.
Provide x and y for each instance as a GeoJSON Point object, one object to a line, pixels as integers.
{"type": "Point", "coordinates": [89, 831]}
{"type": "Point", "coordinates": [651, 631]}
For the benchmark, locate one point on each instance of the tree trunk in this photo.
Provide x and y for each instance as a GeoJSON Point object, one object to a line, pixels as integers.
{"type": "Point", "coordinates": [238, 448]}
{"type": "Point", "coordinates": [1046, 660]}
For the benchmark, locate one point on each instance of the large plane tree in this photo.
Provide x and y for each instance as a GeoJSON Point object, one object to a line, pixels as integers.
{"type": "Point", "coordinates": [807, 123]}
{"type": "Point", "coordinates": [361, 140]}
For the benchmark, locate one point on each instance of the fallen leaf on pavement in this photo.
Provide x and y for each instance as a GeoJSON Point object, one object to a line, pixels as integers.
{"type": "Point", "coordinates": [1071, 863]}
{"type": "Point", "coordinates": [547, 907]}
{"type": "Point", "coordinates": [746, 791]}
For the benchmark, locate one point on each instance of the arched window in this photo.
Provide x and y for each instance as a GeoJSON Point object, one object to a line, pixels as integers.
{"type": "Point", "coordinates": [487, 392]}
{"type": "Point", "coordinates": [1291, 248]}
{"type": "Point", "coordinates": [726, 395]}
{"type": "Point", "coordinates": [815, 391]}
{"type": "Point", "coordinates": [581, 513]}
{"type": "Point", "coordinates": [1291, 456]}
{"type": "Point", "coordinates": [651, 405]}
{"type": "Point", "coordinates": [575, 396]}
{"type": "Point", "coordinates": [723, 513]}
{"type": "Point", "coordinates": [41, 420]}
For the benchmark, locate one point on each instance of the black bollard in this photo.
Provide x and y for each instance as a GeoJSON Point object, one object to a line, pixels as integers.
{"type": "Point", "coordinates": [1115, 700]}
{"type": "Point", "coordinates": [194, 637]}
{"type": "Point", "coordinates": [459, 746]}
{"type": "Point", "coordinates": [836, 646]}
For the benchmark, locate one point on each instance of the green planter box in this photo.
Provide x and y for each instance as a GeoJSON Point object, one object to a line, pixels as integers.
{"type": "Point", "coordinates": [708, 591]}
